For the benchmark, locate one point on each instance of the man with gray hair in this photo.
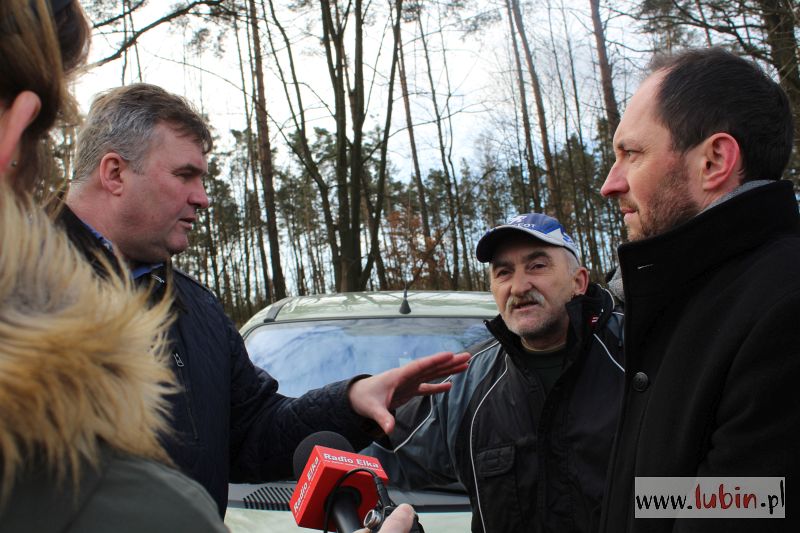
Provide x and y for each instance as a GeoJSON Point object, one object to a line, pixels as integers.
{"type": "Point", "coordinates": [527, 429]}
{"type": "Point", "coordinates": [138, 186]}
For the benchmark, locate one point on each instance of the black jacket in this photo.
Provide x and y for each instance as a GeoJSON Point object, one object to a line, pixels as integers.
{"type": "Point", "coordinates": [230, 423]}
{"type": "Point", "coordinates": [529, 462]}
{"type": "Point", "coordinates": [712, 342]}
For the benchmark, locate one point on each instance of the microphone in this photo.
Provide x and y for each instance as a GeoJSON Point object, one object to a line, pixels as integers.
{"type": "Point", "coordinates": [334, 481]}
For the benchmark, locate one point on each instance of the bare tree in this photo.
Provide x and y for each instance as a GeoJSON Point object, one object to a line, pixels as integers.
{"type": "Point", "coordinates": [526, 121]}
{"type": "Point", "coordinates": [448, 184]}
{"type": "Point", "coordinates": [249, 168]}
{"type": "Point", "coordinates": [423, 203]}
{"type": "Point", "coordinates": [554, 201]}
{"type": "Point", "coordinates": [374, 214]}
{"type": "Point", "coordinates": [265, 158]}
{"type": "Point", "coordinates": [612, 111]}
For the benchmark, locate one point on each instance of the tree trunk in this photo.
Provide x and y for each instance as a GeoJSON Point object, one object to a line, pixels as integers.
{"type": "Point", "coordinates": [251, 168]}
{"type": "Point", "coordinates": [606, 78]}
{"type": "Point", "coordinates": [353, 275]}
{"type": "Point", "coordinates": [584, 176]}
{"type": "Point", "coordinates": [780, 22]}
{"type": "Point", "coordinates": [423, 202]}
{"type": "Point", "coordinates": [303, 151]}
{"type": "Point", "coordinates": [375, 219]}
{"type": "Point", "coordinates": [461, 226]}
{"type": "Point", "coordinates": [265, 160]}
{"type": "Point", "coordinates": [526, 120]}
{"type": "Point", "coordinates": [210, 246]}
{"type": "Point", "coordinates": [333, 40]}
{"type": "Point", "coordinates": [552, 185]}
{"type": "Point", "coordinates": [451, 204]}
{"type": "Point", "coordinates": [706, 29]}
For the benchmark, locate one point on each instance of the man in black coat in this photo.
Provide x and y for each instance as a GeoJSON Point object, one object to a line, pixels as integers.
{"type": "Point", "coordinates": [138, 186]}
{"type": "Point", "coordinates": [712, 300]}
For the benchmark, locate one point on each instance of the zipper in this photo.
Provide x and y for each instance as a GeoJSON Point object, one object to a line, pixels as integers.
{"type": "Point", "coordinates": [472, 442]}
{"type": "Point", "coordinates": [185, 391]}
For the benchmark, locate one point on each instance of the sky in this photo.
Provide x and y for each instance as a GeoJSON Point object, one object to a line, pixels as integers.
{"type": "Point", "coordinates": [478, 67]}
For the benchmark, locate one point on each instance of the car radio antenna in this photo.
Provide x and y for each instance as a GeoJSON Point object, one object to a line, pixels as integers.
{"type": "Point", "coordinates": [404, 307]}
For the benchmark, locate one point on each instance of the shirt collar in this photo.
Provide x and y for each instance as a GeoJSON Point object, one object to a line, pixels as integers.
{"type": "Point", "coordinates": [743, 188]}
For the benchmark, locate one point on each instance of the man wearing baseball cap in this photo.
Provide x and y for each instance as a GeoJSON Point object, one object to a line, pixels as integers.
{"type": "Point", "coordinates": [527, 429]}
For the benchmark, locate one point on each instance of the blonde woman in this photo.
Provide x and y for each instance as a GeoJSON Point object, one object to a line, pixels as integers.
{"type": "Point", "coordinates": [82, 373]}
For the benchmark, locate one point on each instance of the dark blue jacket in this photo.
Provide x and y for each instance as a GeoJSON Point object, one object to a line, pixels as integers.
{"type": "Point", "coordinates": [230, 423]}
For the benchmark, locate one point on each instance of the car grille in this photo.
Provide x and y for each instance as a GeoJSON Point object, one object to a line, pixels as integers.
{"type": "Point", "coordinates": [268, 498]}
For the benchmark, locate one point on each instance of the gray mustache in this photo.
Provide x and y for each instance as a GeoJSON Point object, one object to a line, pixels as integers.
{"type": "Point", "coordinates": [532, 296]}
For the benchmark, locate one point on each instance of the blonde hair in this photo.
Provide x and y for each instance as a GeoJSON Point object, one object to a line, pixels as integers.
{"type": "Point", "coordinates": [37, 50]}
{"type": "Point", "coordinates": [83, 359]}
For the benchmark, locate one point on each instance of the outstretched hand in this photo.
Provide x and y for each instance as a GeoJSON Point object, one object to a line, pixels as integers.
{"type": "Point", "coordinates": [374, 396]}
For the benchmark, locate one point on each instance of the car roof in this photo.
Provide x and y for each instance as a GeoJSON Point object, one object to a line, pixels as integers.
{"type": "Point", "coordinates": [377, 304]}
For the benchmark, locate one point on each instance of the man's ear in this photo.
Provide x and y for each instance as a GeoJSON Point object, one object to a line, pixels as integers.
{"type": "Point", "coordinates": [721, 162]}
{"type": "Point", "coordinates": [110, 172]}
{"type": "Point", "coordinates": [13, 121]}
{"type": "Point", "coordinates": [581, 278]}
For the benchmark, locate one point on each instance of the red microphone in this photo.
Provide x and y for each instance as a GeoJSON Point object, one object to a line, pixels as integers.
{"type": "Point", "coordinates": [324, 485]}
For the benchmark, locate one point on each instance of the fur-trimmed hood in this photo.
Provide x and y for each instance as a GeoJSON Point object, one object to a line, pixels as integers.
{"type": "Point", "coordinates": [82, 360]}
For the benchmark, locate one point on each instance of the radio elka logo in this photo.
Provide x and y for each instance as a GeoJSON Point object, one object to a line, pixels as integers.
{"type": "Point", "coordinates": [357, 461]}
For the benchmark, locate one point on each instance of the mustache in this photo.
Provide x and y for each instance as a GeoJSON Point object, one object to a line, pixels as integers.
{"type": "Point", "coordinates": [531, 297]}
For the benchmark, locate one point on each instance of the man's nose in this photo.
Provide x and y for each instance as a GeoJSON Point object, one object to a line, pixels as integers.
{"type": "Point", "coordinates": [520, 282]}
{"type": "Point", "coordinates": [616, 182]}
{"type": "Point", "coordinates": [198, 197]}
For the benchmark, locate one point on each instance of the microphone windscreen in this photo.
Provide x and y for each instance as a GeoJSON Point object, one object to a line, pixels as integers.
{"type": "Point", "coordinates": [328, 439]}
{"type": "Point", "coordinates": [323, 462]}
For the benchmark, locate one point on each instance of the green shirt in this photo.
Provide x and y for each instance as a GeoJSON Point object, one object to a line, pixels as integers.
{"type": "Point", "coordinates": [546, 364]}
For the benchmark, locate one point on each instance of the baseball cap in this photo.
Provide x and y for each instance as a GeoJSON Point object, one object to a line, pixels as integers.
{"type": "Point", "coordinates": [542, 227]}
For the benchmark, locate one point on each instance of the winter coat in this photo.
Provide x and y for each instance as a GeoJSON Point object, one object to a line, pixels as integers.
{"type": "Point", "coordinates": [230, 423]}
{"type": "Point", "coordinates": [712, 343]}
{"type": "Point", "coordinates": [83, 379]}
{"type": "Point", "coordinates": [121, 493]}
{"type": "Point", "coordinates": [529, 461]}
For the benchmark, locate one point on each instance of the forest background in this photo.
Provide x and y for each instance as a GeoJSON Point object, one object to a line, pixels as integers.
{"type": "Point", "coordinates": [368, 144]}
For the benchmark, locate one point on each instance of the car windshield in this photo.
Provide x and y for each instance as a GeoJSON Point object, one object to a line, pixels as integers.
{"type": "Point", "coordinates": [307, 355]}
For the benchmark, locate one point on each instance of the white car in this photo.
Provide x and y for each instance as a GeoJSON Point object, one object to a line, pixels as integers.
{"type": "Point", "coordinates": [306, 342]}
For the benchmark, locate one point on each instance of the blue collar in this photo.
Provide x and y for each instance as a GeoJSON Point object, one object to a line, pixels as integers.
{"type": "Point", "coordinates": [143, 270]}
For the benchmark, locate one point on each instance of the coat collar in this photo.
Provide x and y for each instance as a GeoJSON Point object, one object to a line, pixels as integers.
{"type": "Point", "coordinates": [665, 270]}
{"type": "Point", "coordinates": [659, 264]}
